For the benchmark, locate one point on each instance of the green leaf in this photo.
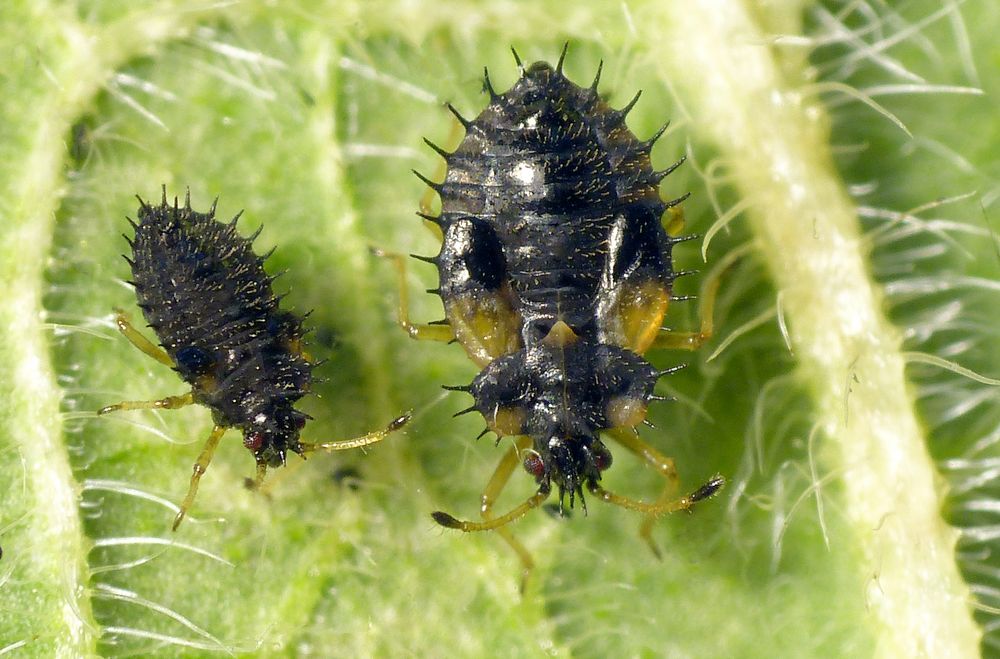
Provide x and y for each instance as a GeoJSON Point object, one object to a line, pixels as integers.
{"type": "Point", "coordinates": [829, 539]}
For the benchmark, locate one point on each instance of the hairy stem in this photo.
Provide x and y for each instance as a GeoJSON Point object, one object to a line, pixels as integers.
{"type": "Point", "coordinates": [58, 66]}
{"type": "Point", "coordinates": [775, 138]}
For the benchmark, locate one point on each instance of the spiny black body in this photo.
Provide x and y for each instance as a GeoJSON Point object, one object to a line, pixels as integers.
{"type": "Point", "coordinates": [553, 241]}
{"type": "Point", "coordinates": [205, 293]}
{"type": "Point", "coordinates": [544, 175]}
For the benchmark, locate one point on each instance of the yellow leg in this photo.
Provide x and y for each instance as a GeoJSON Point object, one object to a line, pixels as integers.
{"type": "Point", "coordinates": [662, 464]}
{"type": "Point", "coordinates": [204, 459]}
{"type": "Point", "coordinates": [491, 493]}
{"type": "Point", "coordinates": [168, 403]}
{"type": "Point", "coordinates": [256, 484]}
{"type": "Point", "coordinates": [444, 519]}
{"type": "Point", "coordinates": [510, 461]}
{"type": "Point", "coordinates": [427, 211]}
{"type": "Point", "coordinates": [713, 485]}
{"type": "Point", "coordinates": [357, 442]}
{"type": "Point", "coordinates": [139, 341]}
{"type": "Point", "coordinates": [420, 332]}
{"type": "Point", "coordinates": [693, 340]}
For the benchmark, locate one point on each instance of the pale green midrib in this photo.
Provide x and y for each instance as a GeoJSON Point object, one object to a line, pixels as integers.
{"type": "Point", "coordinates": [848, 352]}
{"type": "Point", "coordinates": [351, 250]}
{"type": "Point", "coordinates": [342, 226]}
{"type": "Point", "coordinates": [77, 62]}
{"type": "Point", "coordinates": [300, 599]}
{"type": "Point", "coordinates": [58, 548]}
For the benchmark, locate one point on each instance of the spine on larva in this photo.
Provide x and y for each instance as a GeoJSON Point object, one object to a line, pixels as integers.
{"type": "Point", "coordinates": [205, 293]}
{"type": "Point", "coordinates": [549, 168]}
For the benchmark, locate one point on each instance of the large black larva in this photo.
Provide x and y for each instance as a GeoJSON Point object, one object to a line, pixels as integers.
{"type": "Point", "coordinates": [205, 293]}
{"type": "Point", "coordinates": [555, 274]}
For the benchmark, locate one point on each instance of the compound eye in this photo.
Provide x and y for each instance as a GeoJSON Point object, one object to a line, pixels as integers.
{"type": "Point", "coordinates": [534, 465]}
{"type": "Point", "coordinates": [602, 457]}
{"type": "Point", "coordinates": [253, 440]}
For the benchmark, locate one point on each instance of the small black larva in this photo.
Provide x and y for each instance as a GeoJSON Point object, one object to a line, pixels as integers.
{"type": "Point", "coordinates": [205, 293]}
{"type": "Point", "coordinates": [555, 274]}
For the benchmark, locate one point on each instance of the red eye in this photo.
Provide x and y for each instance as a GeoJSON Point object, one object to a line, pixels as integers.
{"type": "Point", "coordinates": [253, 440]}
{"type": "Point", "coordinates": [602, 457]}
{"type": "Point", "coordinates": [534, 465]}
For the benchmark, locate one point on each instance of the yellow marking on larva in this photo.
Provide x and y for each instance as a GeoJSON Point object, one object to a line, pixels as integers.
{"type": "Point", "coordinates": [640, 310]}
{"type": "Point", "coordinates": [485, 324]}
{"type": "Point", "coordinates": [626, 412]}
{"type": "Point", "coordinates": [507, 421]}
{"type": "Point", "coordinates": [560, 336]}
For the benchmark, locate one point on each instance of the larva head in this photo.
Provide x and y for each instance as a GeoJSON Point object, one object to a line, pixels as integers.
{"type": "Point", "coordinates": [562, 392]}
{"type": "Point", "coordinates": [271, 434]}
